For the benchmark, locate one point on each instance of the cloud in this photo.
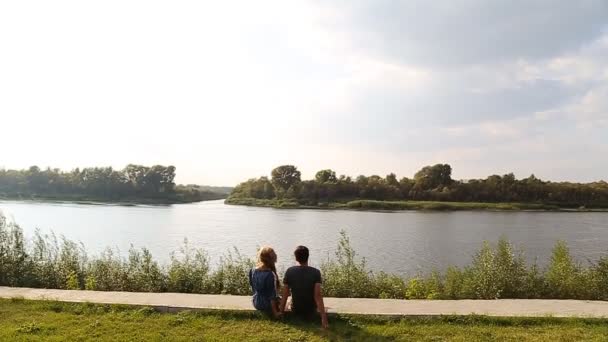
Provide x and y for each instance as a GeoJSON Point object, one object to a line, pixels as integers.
{"type": "Point", "coordinates": [469, 31]}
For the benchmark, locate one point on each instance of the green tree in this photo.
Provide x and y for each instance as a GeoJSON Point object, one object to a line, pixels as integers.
{"type": "Point", "coordinates": [432, 177]}
{"type": "Point", "coordinates": [285, 176]}
{"type": "Point", "coordinates": [563, 275]}
{"type": "Point", "coordinates": [391, 179]}
{"type": "Point", "coordinates": [159, 179]}
{"type": "Point", "coordinates": [326, 176]}
{"type": "Point", "coordinates": [136, 174]}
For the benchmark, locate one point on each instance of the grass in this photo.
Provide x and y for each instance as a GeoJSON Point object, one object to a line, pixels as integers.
{"type": "Point", "coordinates": [22, 320]}
{"type": "Point", "coordinates": [433, 205]}
{"type": "Point", "coordinates": [87, 199]}
{"type": "Point", "coordinates": [397, 205]}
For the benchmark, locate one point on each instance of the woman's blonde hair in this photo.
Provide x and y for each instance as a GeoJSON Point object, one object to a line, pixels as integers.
{"type": "Point", "coordinates": [267, 258]}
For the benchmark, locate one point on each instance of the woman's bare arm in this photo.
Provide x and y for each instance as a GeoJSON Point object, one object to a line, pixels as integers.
{"type": "Point", "coordinates": [284, 297]}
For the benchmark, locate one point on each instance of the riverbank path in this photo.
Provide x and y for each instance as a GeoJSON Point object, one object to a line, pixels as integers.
{"type": "Point", "coordinates": [171, 302]}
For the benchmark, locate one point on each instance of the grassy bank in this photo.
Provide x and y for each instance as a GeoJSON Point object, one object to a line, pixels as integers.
{"type": "Point", "coordinates": [401, 205]}
{"type": "Point", "coordinates": [85, 199]}
{"type": "Point", "coordinates": [22, 320]}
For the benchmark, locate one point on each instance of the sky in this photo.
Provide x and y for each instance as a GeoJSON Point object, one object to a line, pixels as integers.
{"type": "Point", "coordinates": [227, 90]}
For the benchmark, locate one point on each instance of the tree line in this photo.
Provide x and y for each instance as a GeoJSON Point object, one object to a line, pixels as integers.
{"type": "Point", "coordinates": [107, 183]}
{"type": "Point", "coordinates": [431, 183]}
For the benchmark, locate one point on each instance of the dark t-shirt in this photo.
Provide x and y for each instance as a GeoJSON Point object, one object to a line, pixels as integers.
{"type": "Point", "coordinates": [301, 281]}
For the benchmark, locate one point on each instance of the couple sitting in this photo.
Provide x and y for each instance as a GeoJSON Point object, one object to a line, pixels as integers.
{"type": "Point", "coordinates": [302, 282]}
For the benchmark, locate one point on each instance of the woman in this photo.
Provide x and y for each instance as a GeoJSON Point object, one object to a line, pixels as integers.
{"type": "Point", "coordinates": [264, 282]}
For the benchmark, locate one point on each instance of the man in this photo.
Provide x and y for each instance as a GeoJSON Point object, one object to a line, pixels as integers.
{"type": "Point", "coordinates": [304, 284]}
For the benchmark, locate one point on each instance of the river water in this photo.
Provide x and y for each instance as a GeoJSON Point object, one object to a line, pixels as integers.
{"type": "Point", "coordinates": [402, 242]}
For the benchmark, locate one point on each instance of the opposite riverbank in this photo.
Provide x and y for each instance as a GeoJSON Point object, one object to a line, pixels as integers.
{"type": "Point", "coordinates": [135, 184]}
{"type": "Point", "coordinates": [26, 320]}
{"type": "Point", "coordinates": [78, 199]}
{"type": "Point", "coordinates": [407, 205]}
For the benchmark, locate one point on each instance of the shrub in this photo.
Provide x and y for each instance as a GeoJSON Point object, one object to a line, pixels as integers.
{"type": "Point", "coordinates": [232, 275]}
{"type": "Point", "coordinates": [72, 262]}
{"type": "Point", "coordinates": [189, 271]}
{"type": "Point", "coordinates": [15, 262]}
{"type": "Point", "coordinates": [599, 279]}
{"type": "Point", "coordinates": [347, 276]}
{"type": "Point", "coordinates": [90, 283]}
{"type": "Point", "coordinates": [563, 274]}
{"type": "Point", "coordinates": [424, 288]}
{"type": "Point", "coordinates": [510, 270]}
{"type": "Point", "coordinates": [534, 285]}
{"type": "Point", "coordinates": [453, 283]}
{"type": "Point", "coordinates": [494, 273]}
{"type": "Point", "coordinates": [72, 282]}
{"type": "Point", "coordinates": [143, 273]}
{"type": "Point", "coordinates": [390, 286]}
{"type": "Point", "coordinates": [481, 277]}
{"type": "Point", "coordinates": [109, 272]}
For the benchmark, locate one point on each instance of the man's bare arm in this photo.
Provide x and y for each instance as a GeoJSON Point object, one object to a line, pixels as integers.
{"type": "Point", "coordinates": [284, 297]}
{"type": "Point", "coordinates": [321, 305]}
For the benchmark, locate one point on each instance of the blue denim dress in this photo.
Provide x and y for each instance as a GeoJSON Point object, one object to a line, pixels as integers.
{"type": "Point", "coordinates": [263, 283]}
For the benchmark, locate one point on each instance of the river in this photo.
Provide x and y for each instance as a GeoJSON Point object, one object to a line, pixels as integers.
{"type": "Point", "coordinates": [400, 242]}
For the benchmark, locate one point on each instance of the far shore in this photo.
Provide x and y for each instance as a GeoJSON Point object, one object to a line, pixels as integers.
{"type": "Point", "coordinates": [372, 205]}
{"type": "Point", "coordinates": [356, 205]}
{"type": "Point", "coordinates": [104, 201]}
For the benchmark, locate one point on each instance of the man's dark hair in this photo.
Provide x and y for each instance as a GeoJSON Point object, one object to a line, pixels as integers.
{"type": "Point", "coordinates": [301, 254]}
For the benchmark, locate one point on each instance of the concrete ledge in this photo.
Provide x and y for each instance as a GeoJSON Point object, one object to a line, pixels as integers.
{"type": "Point", "coordinates": [171, 302]}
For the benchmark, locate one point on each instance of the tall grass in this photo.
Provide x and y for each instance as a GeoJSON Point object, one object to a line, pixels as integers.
{"type": "Point", "coordinates": [389, 205]}
{"type": "Point", "coordinates": [49, 262]}
{"type": "Point", "coordinates": [496, 271]}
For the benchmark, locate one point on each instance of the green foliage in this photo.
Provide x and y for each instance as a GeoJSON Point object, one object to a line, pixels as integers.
{"type": "Point", "coordinates": [143, 273]}
{"type": "Point", "coordinates": [231, 276]}
{"type": "Point", "coordinates": [433, 177]}
{"type": "Point", "coordinates": [598, 278]}
{"type": "Point", "coordinates": [563, 276]}
{"type": "Point", "coordinates": [260, 188]}
{"type": "Point", "coordinates": [482, 277]}
{"type": "Point", "coordinates": [109, 272]}
{"type": "Point", "coordinates": [14, 259]}
{"type": "Point", "coordinates": [347, 276]}
{"type": "Point", "coordinates": [326, 176]}
{"type": "Point", "coordinates": [72, 282]}
{"type": "Point", "coordinates": [496, 271]}
{"type": "Point", "coordinates": [135, 183]}
{"type": "Point", "coordinates": [453, 285]}
{"type": "Point", "coordinates": [285, 177]}
{"type": "Point", "coordinates": [389, 286]}
{"type": "Point", "coordinates": [64, 264]}
{"type": "Point", "coordinates": [90, 283]}
{"type": "Point", "coordinates": [29, 328]}
{"type": "Point", "coordinates": [189, 271]}
{"type": "Point", "coordinates": [432, 188]}
{"type": "Point", "coordinates": [420, 288]}
{"type": "Point", "coordinates": [511, 270]}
